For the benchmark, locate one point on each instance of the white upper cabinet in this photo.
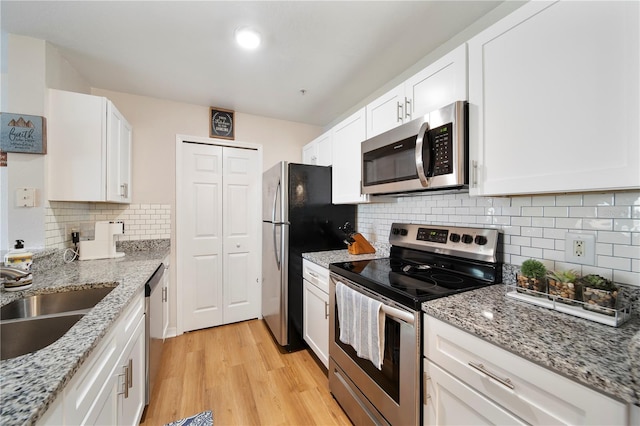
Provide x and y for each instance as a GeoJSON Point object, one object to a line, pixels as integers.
{"type": "Point", "coordinates": [89, 149]}
{"type": "Point", "coordinates": [319, 151]}
{"type": "Point", "coordinates": [441, 83]}
{"type": "Point", "coordinates": [554, 100]}
{"type": "Point", "coordinates": [347, 137]}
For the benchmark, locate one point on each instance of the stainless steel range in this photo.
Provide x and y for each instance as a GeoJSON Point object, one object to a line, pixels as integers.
{"type": "Point", "coordinates": [426, 262]}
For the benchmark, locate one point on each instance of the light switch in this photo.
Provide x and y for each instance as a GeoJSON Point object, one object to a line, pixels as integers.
{"type": "Point", "coordinates": [25, 197]}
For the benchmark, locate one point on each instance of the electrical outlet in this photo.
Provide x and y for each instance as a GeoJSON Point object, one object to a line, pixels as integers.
{"type": "Point", "coordinates": [580, 248]}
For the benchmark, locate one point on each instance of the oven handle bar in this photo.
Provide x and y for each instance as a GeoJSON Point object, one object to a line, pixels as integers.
{"type": "Point", "coordinates": [398, 314]}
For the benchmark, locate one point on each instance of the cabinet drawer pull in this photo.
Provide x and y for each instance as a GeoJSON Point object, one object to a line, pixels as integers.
{"type": "Point", "coordinates": [481, 368]}
{"type": "Point", "coordinates": [313, 274]}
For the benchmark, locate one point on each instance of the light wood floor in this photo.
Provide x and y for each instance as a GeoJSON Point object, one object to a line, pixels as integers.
{"type": "Point", "coordinates": [237, 372]}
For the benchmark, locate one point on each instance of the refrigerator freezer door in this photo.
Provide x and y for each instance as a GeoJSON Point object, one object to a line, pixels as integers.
{"type": "Point", "coordinates": [274, 194]}
{"type": "Point", "coordinates": [275, 279]}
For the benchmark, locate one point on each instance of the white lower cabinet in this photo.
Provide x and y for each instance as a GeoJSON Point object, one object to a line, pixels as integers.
{"type": "Point", "coordinates": [451, 402]}
{"type": "Point", "coordinates": [470, 381]}
{"type": "Point", "coordinates": [109, 388]}
{"type": "Point", "coordinates": [316, 309]}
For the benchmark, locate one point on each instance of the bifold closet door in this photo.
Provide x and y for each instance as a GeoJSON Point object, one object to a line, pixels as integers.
{"type": "Point", "coordinates": [218, 228]}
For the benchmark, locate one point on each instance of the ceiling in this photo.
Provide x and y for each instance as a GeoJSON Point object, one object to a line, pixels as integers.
{"type": "Point", "coordinates": [338, 52]}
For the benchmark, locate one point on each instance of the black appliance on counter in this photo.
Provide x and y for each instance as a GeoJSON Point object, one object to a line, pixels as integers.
{"type": "Point", "coordinates": [297, 217]}
{"type": "Point", "coordinates": [425, 262]}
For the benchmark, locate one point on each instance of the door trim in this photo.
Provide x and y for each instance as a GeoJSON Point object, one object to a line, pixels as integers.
{"type": "Point", "coordinates": [180, 139]}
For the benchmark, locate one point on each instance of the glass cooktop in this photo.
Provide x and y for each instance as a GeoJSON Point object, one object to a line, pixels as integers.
{"type": "Point", "coordinates": [407, 282]}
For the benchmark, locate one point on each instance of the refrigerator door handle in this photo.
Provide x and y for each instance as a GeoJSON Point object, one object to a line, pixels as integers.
{"type": "Point", "coordinates": [275, 246]}
{"type": "Point", "coordinates": [275, 204]}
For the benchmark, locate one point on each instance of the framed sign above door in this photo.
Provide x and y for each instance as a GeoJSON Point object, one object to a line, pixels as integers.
{"type": "Point", "coordinates": [221, 123]}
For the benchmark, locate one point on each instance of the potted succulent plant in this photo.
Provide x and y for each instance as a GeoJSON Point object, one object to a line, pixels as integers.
{"type": "Point", "coordinates": [563, 285]}
{"type": "Point", "coordinates": [599, 294]}
{"type": "Point", "coordinates": [532, 277]}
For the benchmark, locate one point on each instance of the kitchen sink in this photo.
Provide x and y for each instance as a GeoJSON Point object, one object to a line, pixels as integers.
{"type": "Point", "coordinates": [34, 322]}
{"type": "Point", "coordinates": [53, 303]}
{"type": "Point", "coordinates": [25, 336]}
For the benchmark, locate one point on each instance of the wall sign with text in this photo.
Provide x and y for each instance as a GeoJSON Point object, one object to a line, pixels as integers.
{"type": "Point", "coordinates": [221, 123]}
{"type": "Point", "coordinates": [23, 133]}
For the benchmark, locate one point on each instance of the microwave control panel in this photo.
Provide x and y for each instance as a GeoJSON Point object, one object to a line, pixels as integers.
{"type": "Point", "coordinates": [441, 141]}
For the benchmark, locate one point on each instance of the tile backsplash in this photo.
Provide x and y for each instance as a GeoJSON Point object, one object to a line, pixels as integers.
{"type": "Point", "coordinates": [141, 221]}
{"type": "Point", "coordinates": [533, 226]}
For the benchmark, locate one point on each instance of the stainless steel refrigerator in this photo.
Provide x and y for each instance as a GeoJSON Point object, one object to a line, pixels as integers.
{"type": "Point", "coordinates": [297, 217]}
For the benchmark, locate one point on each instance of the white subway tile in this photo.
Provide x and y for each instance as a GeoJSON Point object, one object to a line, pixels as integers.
{"type": "Point", "coordinates": [554, 255]}
{"type": "Point", "coordinates": [627, 251]}
{"type": "Point", "coordinates": [569, 223]}
{"type": "Point", "coordinates": [627, 198]}
{"type": "Point", "coordinates": [635, 265]}
{"type": "Point", "coordinates": [625, 277]}
{"type": "Point", "coordinates": [556, 211]}
{"type": "Point", "coordinates": [532, 252]}
{"type": "Point", "coordinates": [511, 249]}
{"type": "Point", "coordinates": [626, 225]}
{"type": "Point", "coordinates": [569, 200]}
{"type": "Point", "coordinates": [598, 199]}
{"type": "Point", "coordinates": [622, 212]}
{"type": "Point", "coordinates": [521, 221]}
{"type": "Point", "coordinates": [598, 224]}
{"type": "Point", "coordinates": [620, 263]}
{"type": "Point", "coordinates": [532, 232]}
{"type": "Point", "coordinates": [521, 201]}
{"type": "Point", "coordinates": [543, 200]}
{"type": "Point", "coordinates": [521, 241]}
{"type": "Point", "coordinates": [511, 230]}
{"type": "Point", "coordinates": [583, 211]}
{"type": "Point", "coordinates": [545, 222]}
{"type": "Point", "coordinates": [604, 249]}
{"type": "Point", "coordinates": [635, 212]}
{"type": "Point", "coordinates": [532, 211]}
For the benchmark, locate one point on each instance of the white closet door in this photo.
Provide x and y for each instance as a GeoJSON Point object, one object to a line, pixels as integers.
{"type": "Point", "coordinates": [241, 201]}
{"type": "Point", "coordinates": [200, 195]}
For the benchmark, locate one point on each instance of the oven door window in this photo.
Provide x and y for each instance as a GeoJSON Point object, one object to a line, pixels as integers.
{"type": "Point", "coordinates": [391, 163]}
{"type": "Point", "coordinates": [389, 377]}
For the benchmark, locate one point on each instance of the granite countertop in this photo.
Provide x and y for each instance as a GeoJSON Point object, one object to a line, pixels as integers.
{"type": "Point", "coordinates": [31, 382]}
{"type": "Point", "coordinates": [596, 355]}
{"type": "Point", "coordinates": [324, 258]}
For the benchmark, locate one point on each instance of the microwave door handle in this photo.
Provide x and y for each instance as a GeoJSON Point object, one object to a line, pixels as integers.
{"type": "Point", "coordinates": [420, 161]}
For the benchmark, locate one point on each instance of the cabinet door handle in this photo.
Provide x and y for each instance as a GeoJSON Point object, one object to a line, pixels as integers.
{"type": "Point", "coordinates": [481, 368]}
{"type": "Point", "coordinates": [474, 173]}
{"type": "Point", "coordinates": [326, 310]}
{"type": "Point", "coordinates": [407, 108]}
{"type": "Point", "coordinates": [164, 294]}
{"type": "Point", "coordinates": [399, 112]}
{"type": "Point", "coordinates": [124, 190]}
{"type": "Point", "coordinates": [130, 373]}
{"type": "Point", "coordinates": [426, 396]}
{"type": "Point", "coordinates": [125, 382]}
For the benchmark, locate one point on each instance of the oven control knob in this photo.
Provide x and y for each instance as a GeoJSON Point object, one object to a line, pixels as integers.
{"type": "Point", "coordinates": [467, 239]}
{"type": "Point", "coordinates": [481, 240]}
{"type": "Point", "coordinates": [403, 232]}
{"type": "Point", "coordinates": [454, 238]}
{"type": "Point", "coordinates": [395, 231]}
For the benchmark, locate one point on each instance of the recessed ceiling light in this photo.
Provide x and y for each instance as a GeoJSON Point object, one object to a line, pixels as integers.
{"type": "Point", "coordinates": [247, 38]}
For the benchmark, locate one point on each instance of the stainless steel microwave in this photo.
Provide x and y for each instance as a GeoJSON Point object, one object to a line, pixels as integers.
{"type": "Point", "coordinates": [427, 153]}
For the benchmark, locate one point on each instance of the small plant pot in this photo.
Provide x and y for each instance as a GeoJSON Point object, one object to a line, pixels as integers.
{"type": "Point", "coordinates": [534, 286]}
{"type": "Point", "coordinates": [601, 301]}
{"type": "Point", "coordinates": [564, 292]}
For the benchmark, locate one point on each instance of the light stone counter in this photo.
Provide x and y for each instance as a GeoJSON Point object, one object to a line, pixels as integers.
{"type": "Point", "coordinates": [31, 382]}
{"type": "Point", "coordinates": [325, 258]}
{"type": "Point", "coordinates": [595, 355]}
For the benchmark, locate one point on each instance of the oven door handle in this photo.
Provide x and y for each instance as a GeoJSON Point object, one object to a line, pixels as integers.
{"type": "Point", "coordinates": [398, 314]}
{"type": "Point", "coordinates": [421, 164]}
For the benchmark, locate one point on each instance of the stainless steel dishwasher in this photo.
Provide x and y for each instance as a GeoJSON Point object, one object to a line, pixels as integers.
{"type": "Point", "coordinates": [153, 327]}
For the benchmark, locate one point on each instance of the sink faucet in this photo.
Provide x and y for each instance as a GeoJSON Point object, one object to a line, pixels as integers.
{"type": "Point", "coordinates": [13, 274]}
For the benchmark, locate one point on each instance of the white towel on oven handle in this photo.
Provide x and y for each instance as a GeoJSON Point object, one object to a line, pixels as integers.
{"type": "Point", "coordinates": [361, 323]}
